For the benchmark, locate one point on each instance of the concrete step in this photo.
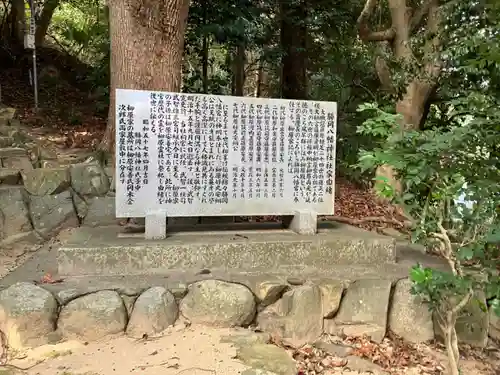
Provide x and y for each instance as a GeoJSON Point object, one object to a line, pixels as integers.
{"type": "Point", "coordinates": [109, 251]}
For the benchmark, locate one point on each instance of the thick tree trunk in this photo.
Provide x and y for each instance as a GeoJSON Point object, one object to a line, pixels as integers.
{"type": "Point", "coordinates": [293, 39]}
{"type": "Point", "coordinates": [49, 6]}
{"type": "Point", "coordinates": [147, 43]}
{"type": "Point", "coordinates": [259, 80]}
{"type": "Point", "coordinates": [405, 20]}
{"type": "Point", "coordinates": [17, 21]}
{"type": "Point", "coordinates": [239, 70]}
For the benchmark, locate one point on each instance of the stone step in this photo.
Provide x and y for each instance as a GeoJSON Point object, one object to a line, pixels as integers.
{"type": "Point", "coordinates": [108, 251]}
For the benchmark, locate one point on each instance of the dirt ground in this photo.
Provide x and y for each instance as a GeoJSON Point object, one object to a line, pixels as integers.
{"type": "Point", "coordinates": [188, 351]}
{"type": "Point", "coordinates": [183, 350]}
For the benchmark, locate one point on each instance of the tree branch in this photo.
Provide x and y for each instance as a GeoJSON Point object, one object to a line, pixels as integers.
{"type": "Point", "coordinates": [364, 31]}
{"type": "Point", "coordinates": [419, 14]}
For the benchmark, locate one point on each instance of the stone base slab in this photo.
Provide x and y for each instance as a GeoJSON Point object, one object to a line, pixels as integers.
{"type": "Point", "coordinates": [108, 251]}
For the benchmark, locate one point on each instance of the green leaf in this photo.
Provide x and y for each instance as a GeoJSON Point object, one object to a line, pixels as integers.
{"type": "Point", "coordinates": [418, 274]}
{"type": "Point", "coordinates": [495, 306]}
{"type": "Point", "coordinates": [466, 253]}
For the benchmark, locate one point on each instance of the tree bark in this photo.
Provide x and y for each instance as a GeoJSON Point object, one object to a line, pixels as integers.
{"type": "Point", "coordinates": [405, 20]}
{"type": "Point", "coordinates": [259, 79]}
{"type": "Point", "coordinates": [239, 70]}
{"type": "Point", "coordinates": [147, 43]}
{"type": "Point", "coordinates": [293, 39]}
{"type": "Point", "coordinates": [17, 21]}
{"type": "Point", "coordinates": [49, 7]}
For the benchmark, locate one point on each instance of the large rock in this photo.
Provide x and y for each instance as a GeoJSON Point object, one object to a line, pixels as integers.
{"type": "Point", "coordinates": [6, 141]}
{"type": "Point", "coordinates": [269, 291]}
{"type": "Point", "coordinates": [494, 325]}
{"type": "Point", "coordinates": [110, 172]}
{"type": "Point", "coordinates": [51, 212]}
{"type": "Point", "coordinates": [6, 115]}
{"type": "Point", "coordinates": [99, 211]}
{"type": "Point", "coordinates": [297, 317]}
{"type": "Point", "coordinates": [45, 181]}
{"type": "Point", "coordinates": [9, 176]}
{"type": "Point", "coordinates": [15, 158]}
{"type": "Point", "coordinates": [93, 316]}
{"type": "Point", "coordinates": [218, 303]}
{"type": "Point", "coordinates": [269, 358]}
{"type": "Point", "coordinates": [28, 315]}
{"type": "Point", "coordinates": [246, 338]}
{"type": "Point", "coordinates": [472, 323]}
{"type": "Point", "coordinates": [409, 317]}
{"type": "Point", "coordinates": [89, 179]}
{"type": "Point", "coordinates": [363, 310]}
{"type": "Point", "coordinates": [331, 295]}
{"type": "Point", "coordinates": [14, 216]}
{"type": "Point", "coordinates": [303, 309]}
{"type": "Point", "coordinates": [154, 310]}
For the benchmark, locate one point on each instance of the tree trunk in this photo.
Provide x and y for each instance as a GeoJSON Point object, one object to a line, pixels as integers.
{"type": "Point", "coordinates": [204, 53]}
{"type": "Point", "coordinates": [204, 64]}
{"type": "Point", "coordinates": [147, 43]}
{"type": "Point", "coordinates": [293, 37]}
{"type": "Point", "coordinates": [405, 20]}
{"type": "Point", "coordinates": [239, 70]}
{"type": "Point", "coordinates": [293, 42]}
{"type": "Point", "coordinates": [259, 80]}
{"type": "Point", "coordinates": [49, 6]}
{"type": "Point", "coordinates": [17, 21]}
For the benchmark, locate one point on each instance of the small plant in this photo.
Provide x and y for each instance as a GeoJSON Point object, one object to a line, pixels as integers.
{"type": "Point", "coordinates": [450, 194]}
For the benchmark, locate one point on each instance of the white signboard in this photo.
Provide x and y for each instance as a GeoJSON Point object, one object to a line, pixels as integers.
{"type": "Point", "coordinates": [29, 35]}
{"type": "Point", "coordinates": [207, 155]}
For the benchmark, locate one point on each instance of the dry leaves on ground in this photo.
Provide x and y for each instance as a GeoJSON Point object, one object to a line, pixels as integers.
{"type": "Point", "coordinates": [393, 356]}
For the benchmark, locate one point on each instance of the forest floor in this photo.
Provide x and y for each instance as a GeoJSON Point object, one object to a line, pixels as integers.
{"type": "Point", "coordinates": [71, 123]}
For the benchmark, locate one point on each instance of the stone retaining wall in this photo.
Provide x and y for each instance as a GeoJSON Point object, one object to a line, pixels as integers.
{"type": "Point", "coordinates": [39, 194]}
{"type": "Point", "coordinates": [31, 315]}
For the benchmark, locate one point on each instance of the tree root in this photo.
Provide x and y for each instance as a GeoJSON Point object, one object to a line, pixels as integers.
{"type": "Point", "coordinates": [369, 219]}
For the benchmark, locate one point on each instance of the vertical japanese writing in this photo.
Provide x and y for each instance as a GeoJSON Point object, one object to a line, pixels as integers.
{"type": "Point", "coordinates": [274, 138]}
{"type": "Point", "coordinates": [152, 113]}
{"type": "Point", "coordinates": [157, 114]}
{"type": "Point", "coordinates": [131, 156]}
{"type": "Point", "coordinates": [191, 177]}
{"type": "Point", "coordinates": [251, 149]}
{"type": "Point", "coordinates": [211, 154]}
{"type": "Point", "coordinates": [294, 139]}
{"type": "Point", "coordinates": [243, 131]}
{"type": "Point", "coordinates": [215, 152]}
{"type": "Point", "coordinates": [282, 140]}
{"type": "Point", "coordinates": [319, 135]}
{"type": "Point", "coordinates": [251, 133]}
{"type": "Point", "coordinates": [122, 142]}
{"type": "Point", "coordinates": [144, 152]}
{"type": "Point", "coordinates": [258, 133]}
{"type": "Point", "coordinates": [330, 151]}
